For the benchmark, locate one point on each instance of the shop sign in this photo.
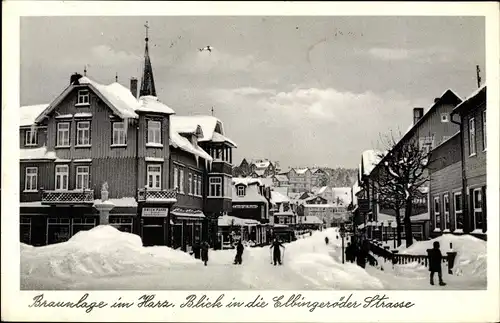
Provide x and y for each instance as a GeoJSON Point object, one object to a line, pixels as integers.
{"type": "Point", "coordinates": [245, 206]}
{"type": "Point", "coordinates": [155, 212]}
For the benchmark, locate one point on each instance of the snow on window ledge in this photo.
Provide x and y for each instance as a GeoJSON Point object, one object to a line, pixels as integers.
{"type": "Point", "coordinates": [437, 230]}
{"type": "Point", "coordinates": [478, 231]}
{"type": "Point", "coordinates": [65, 146]}
{"type": "Point", "coordinates": [458, 231]}
{"type": "Point", "coordinates": [472, 155]}
{"type": "Point", "coordinates": [154, 145]}
{"type": "Point", "coordinates": [118, 145]}
{"type": "Point", "coordinates": [83, 146]}
{"type": "Point", "coordinates": [82, 104]}
{"type": "Point", "coordinates": [30, 191]}
{"type": "Point", "coordinates": [446, 231]}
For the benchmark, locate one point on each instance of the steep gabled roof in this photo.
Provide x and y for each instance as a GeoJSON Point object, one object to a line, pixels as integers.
{"type": "Point", "coordinates": [29, 113]}
{"type": "Point", "coordinates": [209, 125]}
{"type": "Point", "coordinates": [479, 93]}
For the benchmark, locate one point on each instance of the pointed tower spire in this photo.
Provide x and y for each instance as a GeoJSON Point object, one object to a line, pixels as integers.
{"type": "Point", "coordinates": [147, 82]}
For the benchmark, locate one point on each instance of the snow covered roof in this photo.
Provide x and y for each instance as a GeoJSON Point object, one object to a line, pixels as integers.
{"type": "Point", "coordinates": [246, 181]}
{"type": "Point", "coordinates": [116, 96]}
{"type": "Point", "coordinates": [281, 178]}
{"type": "Point", "coordinates": [267, 181]}
{"type": "Point", "coordinates": [322, 190]}
{"type": "Point", "coordinates": [228, 220]}
{"type": "Point", "coordinates": [301, 171]}
{"type": "Point", "coordinates": [209, 125]}
{"type": "Point", "coordinates": [277, 197]}
{"type": "Point", "coordinates": [387, 217]}
{"type": "Point", "coordinates": [251, 195]}
{"type": "Point", "coordinates": [178, 141]}
{"type": "Point", "coordinates": [150, 103]}
{"type": "Point", "coordinates": [370, 159]}
{"type": "Point", "coordinates": [470, 97]}
{"type": "Point", "coordinates": [311, 219]}
{"type": "Point", "coordinates": [28, 114]}
{"type": "Point", "coordinates": [263, 164]}
{"type": "Point", "coordinates": [36, 153]}
{"type": "Point", "coordinates": [123, 202]}
{"type": "Point", "coordinates": [259, 172]}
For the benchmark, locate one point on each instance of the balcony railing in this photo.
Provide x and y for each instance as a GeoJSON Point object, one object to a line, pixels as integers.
{"type": "Point", "coordinates": [68, 197]}
{"type": "Point", "coordinates": [158, 196]}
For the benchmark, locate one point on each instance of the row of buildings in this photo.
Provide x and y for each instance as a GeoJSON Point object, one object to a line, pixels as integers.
{"type": "Point", "coordinates": [298, 180]}
{"type": "Point", "coordinates": [108, 154]}
{"type": "Point", "coordinates": [452, 134]}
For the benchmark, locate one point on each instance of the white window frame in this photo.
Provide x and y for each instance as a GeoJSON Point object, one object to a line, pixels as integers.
{"type": "Point", "coordinates": [445, 117]}
{"type": "Point", "coordinates": [121, 134]}
{"type": "Point", "coordinates": [63, 134]}
{"type": "Point", "coordinates": [181, 181]}
{"type": "Point", "coordinates": [214, 183]}
{"type": "Point", "coordinates": [190, 184]}
{"type": "Point", "coordinates": [30, 137]}
{"type": "Point", "coordinates": [457, 209]}
{"type": "Point", "coordinates": [240, 190]}
{"type": "Point", "coordinates": [82, 129]}
{"type": "Point", "coordinates": [477, 209]}
{"type": "Point", "coordinates": [63, 175]}
{"type": "Point", "coordinates": [484, 130]}
{"type": "Point", "coordinates": [83, 97]}
{"type": "Point", "coordinates": [446, 214]}
{"type": "Point", "coordinates": [155, 183]}
{"type": "Point", "coordinates": [154, 132]}
{"type": "Point", "coordinates": [437, 213]}
{"type": "Point", "coordinates": [31, 179]}
{"type": "Point", "coordinates": [176, 177]}
{"type": "Point", "coordinates": [472, 137]}
{"type": "Point", "coordinates": [82, 177]}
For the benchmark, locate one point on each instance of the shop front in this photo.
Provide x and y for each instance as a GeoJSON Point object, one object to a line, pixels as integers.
{"type": "Point", "coordinates": [154, 226]}
{"type": "Point", "coordinates": [187, 228]}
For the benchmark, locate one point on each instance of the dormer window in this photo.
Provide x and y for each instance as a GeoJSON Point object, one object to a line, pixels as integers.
{"type": "Point", "coordinates": [83, 97]}
{"type": "Point", "coordinates": [30, 139]}
{"type": "Point", "coordinates": [240, 190]}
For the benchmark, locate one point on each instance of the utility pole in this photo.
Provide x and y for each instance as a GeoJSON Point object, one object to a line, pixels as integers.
{"type": "Point", "coordinates": [478, 76]}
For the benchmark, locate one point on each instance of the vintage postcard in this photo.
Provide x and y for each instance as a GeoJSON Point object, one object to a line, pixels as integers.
{"type": "Point", "coordinates": [250, 162]}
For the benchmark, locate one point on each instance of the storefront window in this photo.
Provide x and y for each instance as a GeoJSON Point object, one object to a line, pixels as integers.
{"type": "Point", "coordinates": [25, 233]}
{"type": "Point", "coordinates": [58, 230]}
{"type": "Point", "coordinates": [123, 224]}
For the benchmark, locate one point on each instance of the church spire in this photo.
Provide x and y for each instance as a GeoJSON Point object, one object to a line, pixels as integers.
{"type": "Point", "coordinates": [147, 82]}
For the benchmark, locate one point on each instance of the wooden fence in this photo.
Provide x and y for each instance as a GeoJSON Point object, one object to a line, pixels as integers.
{"type": "Point", "coordinates": [403, 259]}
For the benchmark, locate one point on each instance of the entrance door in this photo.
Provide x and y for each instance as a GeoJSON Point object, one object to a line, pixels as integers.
{"type": "Point", "coordinates": [177, 235]}
{"type": "Point", "coordinates": [153, 233]}
{"type": "Point", "coordinates": [58, 230]}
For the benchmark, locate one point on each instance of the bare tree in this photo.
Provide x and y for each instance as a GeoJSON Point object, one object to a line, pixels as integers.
{"type": "Point", "coordinates": [403, 175]}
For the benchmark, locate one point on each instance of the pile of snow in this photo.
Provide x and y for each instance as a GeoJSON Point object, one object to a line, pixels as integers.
{"type": "Point", "coordinates": [471, 253]}
{"type": "Point", "coordinates": [321, 263]}
{"type": "Point", "coordinates": [100, 252]}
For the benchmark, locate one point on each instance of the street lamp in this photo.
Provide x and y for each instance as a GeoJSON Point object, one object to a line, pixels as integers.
{"type": "Point", "coordinates": [394, 226]}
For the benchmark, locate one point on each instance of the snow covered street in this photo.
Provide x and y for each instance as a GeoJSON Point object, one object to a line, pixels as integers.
{"type": "Point", "coordinates": [104, 258]}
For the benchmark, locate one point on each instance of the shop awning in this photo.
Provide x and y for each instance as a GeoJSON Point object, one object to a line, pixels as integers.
{"type": "Point", "coordinates": [227, 220]}
{"type": "Point", "coordinates": [187, 214]}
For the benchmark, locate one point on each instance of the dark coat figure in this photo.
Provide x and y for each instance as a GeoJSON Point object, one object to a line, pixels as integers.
{"type": "Point", "coordinates": [350, 255]}
{"type": "Point", "coordinates": [276, 251]}
{"type": "Point", "coordinates": [327, 240]}
{"type": "Point", "coordinates": [204, 252]}
{"type": "Point", "coordinates": [361, 254]}
{"type": "Point", "coordinates": [435, 258]}
{"type": "Point", "coordinates": [239, 253]}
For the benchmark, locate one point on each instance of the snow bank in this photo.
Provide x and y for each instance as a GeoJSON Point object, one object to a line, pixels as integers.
{"type": "Point", "coordinates": [471, 253]}
{"type": "Point", "coordinates": [100, 252]}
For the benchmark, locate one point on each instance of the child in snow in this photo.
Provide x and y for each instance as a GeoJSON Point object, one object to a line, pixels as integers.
{"type": "Point", "coordinates": [204, 252]}
{"type": "Point", "coordinates": [239, 253]}
{"type": "Point", "coordinates": [435, 259]}
{"type": "Point", "coordinates": [276, 251]}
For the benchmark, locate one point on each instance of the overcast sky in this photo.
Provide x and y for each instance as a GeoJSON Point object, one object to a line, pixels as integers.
{"type": "Point", "coordinates": [300, 90]}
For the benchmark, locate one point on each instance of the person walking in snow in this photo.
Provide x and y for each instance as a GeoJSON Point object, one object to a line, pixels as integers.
{"type": "Point", "coordinates": [239, 253]}
{"type": "Point", "coordinates": [327, 240]}
{"type": "Point", "coordinates": [435, 258]}
{"type": "Point", "coordinates": [276, 251]}
{"type": "Point", "coordinates": [204, 252]}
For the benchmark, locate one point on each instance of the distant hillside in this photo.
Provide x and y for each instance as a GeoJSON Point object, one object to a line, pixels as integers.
{"type": "Point", "coordinates": [341, 177]}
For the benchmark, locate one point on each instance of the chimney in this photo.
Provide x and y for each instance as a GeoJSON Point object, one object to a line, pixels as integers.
{"type": "Point", "coordinates": [436, 100]}
{"type": "Point", "coordinates": [133, 86]}
{"type": "Point", "coordinates": [417, 114]}
{"type": "Point", "coordinates": [75, 77]}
